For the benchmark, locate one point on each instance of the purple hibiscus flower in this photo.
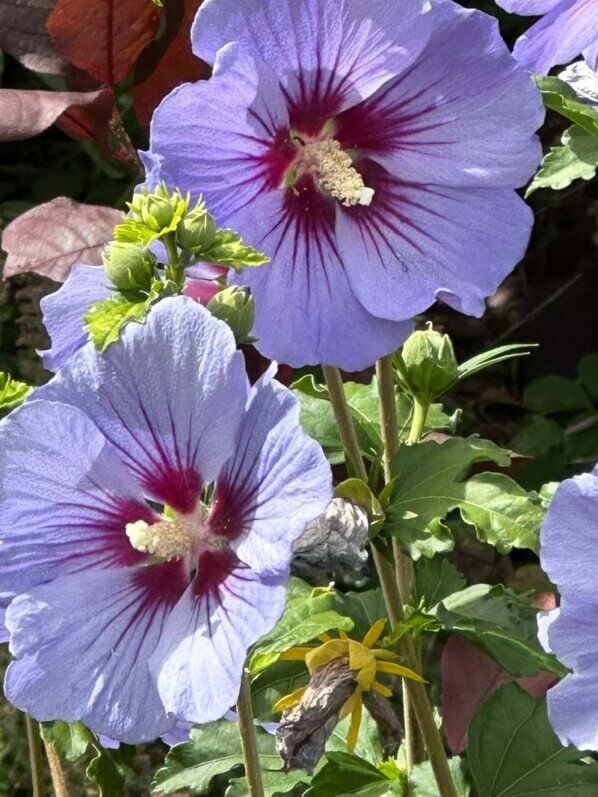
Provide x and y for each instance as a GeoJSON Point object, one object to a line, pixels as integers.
{"type": "Point", "coordinates": [567, 28]}
{"type": "Point", "coordinates": [568, 546]}
{"type": "Point", "coordinates": [370, 148]}
{"type": "Point", "coordinates": [64, 310]}
{"type": "Point", "coordinates": [150, 500]}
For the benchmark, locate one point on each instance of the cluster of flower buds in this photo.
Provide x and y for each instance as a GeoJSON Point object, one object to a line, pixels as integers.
{"type": "Point", "coordinates": [196, 231]}
{"type": "Point", "coordinates": [427, 367]}
{"type": "Point", "coordinates": [160, 210]}
{"type": "Point", "coordinates": [236, 307]}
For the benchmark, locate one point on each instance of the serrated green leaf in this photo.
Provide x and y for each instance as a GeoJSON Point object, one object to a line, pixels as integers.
{"type": "Point", "coordinates": [369, 744]}
{"type": "Point", "coordinates": [213, 749]}
{"type": "Point", "coordinates": [228, 249]}
{"type": "Point", "coordinates": [273, 683]}
{"type": "Point", "coordinates": [513, 751]}
{"type": "Point", "coordinates": [435, 579]}
{"type": "Point", "coordinates": [108, 767]}
{"type": "Point", "coordinates": [427, 485]}
{"type": "Point", "coordinates": [502, 624]}
{"type": "Point", "coordinates": [274, 783]}
{"type": "Point", "coordinates": [347, 774]}
{"type": "Point", "coordinates": [560, 97]}
{"type": "Point", "coordinates": [70, 740]}
{"type": "Point", "coordinates": [12, 392]}
{"type": "Point", "coordinates": [304, 619]}
{"type": "Point", "coordinates": [503, 513]}
{"type": "Point", "coordinates": [105, 319]}
{"type": "Point", "coordinates": [576, 159]}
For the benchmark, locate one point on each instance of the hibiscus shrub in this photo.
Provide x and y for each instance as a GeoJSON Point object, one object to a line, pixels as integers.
{"type": "Point", "coordinates": [276, 515]}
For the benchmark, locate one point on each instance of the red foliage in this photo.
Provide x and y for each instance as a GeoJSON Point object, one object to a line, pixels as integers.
{"type": "Point", "coordinates": [169, 61]}
{"type": "Point", "coordinates": [103, 37]}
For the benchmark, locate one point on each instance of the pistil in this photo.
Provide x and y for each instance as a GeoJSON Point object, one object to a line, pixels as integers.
{"type": "Point", "coordinates": [336, 175]}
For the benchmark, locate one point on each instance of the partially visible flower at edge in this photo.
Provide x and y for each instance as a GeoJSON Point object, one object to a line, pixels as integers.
{"type": "Point", "coordinates": [567, 29]}
{"type": "Point", "coordinates": [568, 554]}
{"type": "Point", "coordinates": [153, 613]}
{"type": "Point", "coordinates": [363, 659]}
{"type": "Point", "coordinates": [63, 310]}
{"type": "Point", "coordinates": [373, 157]}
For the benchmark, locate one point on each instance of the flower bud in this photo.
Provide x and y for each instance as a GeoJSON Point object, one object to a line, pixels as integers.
{"type": "Point", "coordinates": [196, 230]}
{"type": "Point", "coordinates": [129, 266]}
{"type": "Point", "coordinates": [157, 212]}
{"type": "Point", "coordinates": [427, 366]}
{"type": "Point", "coordinates": [160, 209]}
{"type": "Point", "coordinates": [235, 306]}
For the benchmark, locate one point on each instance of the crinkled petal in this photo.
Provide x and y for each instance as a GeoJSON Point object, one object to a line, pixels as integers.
{"type": "Point", "coordinates": [305, 309]}
{"type": "Point", "coordinates": [63, 312]}
{"type": "Point", "coordinates": [567, 30]}
{"type": "Point", "coordinates": [169, 395]}
{"type": "Point", "coordinates": [590, 55]}
{"type": "Point", "coordinates": [530, 8]}
{"type": "Point", "coordinates": [276, 482]}
{"type": "Point", "coordinates": [244, 140]}
{"type": "Point", "coordinates": [416, 243]}
{"type": "Point", "coordinates": [200, 658]}
{"type": "Point", "coordinates": [82, 645]}
{"type": "Point", "coordinates": [451, 119]}
{"type": "Point", "coordinates": [66, 497]}
{"type": "Point", "coordinates": [327, 55]}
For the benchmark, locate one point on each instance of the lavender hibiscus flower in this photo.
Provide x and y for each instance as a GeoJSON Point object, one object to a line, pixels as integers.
{"type": "Point", "coordinates": [568, 28]}
{"type": "Point", "coordinates": [568, 546]}
{"type": "Point", "coordinates": [128, 616]}
{"type": "Point", "coordinates": [370, 148]}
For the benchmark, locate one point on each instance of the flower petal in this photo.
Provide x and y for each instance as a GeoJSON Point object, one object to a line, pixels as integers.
{"type": "Point", "coordinates": [63, 312]}
{"type": "Point", "coordinates": [82, 645]}
{"type": "Point", "coordinates": [530, 8]}
{"type": "Point", "coordinates": [305, 309]}
{"type": "Point", "coordinates": [200, 658]}
{"type": "Point", "coordinates": [169, 395]}
{"type": "Point", "coordinates": [245, 146]}
{"type": "Point", "coordinates": [450, 119]}
{"type": "Point", "coordinates": [276, 482]}
{"type": "Point", "coordinates": [567, 30]}
{"type": "Point", "coordinates": [590, 55]}
{"type": "Point", "coordinates": [422, 242]}
{"type": "Point", "coordinates": [327, 55]}
{"type": "Point", "coordinates": [66, 497]}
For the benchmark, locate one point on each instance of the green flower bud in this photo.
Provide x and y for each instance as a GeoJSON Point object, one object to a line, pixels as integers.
{"type": "Point", "coordinates": [427, 366]}
{"type": "Point", "coordinates": [196, 230]}
{"type": "Point", "coordinates": [129, 266]}
{"type": "Point", "coordinates": [157, 212]}
{"type": "Point", "coordinates": [235, 306]}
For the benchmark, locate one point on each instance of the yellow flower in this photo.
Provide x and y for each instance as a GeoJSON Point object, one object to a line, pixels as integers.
{"type": "Point", "coordinates": [364, 660]}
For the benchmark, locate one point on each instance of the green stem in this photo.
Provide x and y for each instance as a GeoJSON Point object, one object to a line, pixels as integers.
{"type": "Point", "coordinates": [36, 757]}
{"type": "Point", "coordinates": [416, 691]}
{"type": "Point", "coordinates": [253, 770]}
{"type": "Point", "coordinates": [174, 270]}
{"type": "Point", "coordinates": [420, 411]}
{"type": "Point", "coordinates": [403, 564]}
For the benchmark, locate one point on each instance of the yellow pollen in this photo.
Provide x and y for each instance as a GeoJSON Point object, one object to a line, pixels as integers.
{"type": "Point", "coordinates": [166, 539]}
{"type": "Point", "coordinates": [336, 174]}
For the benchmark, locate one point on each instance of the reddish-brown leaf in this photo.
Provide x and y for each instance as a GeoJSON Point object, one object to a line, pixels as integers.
{"type": "Point", "coordinates": [104, 37]}
{"type": "Point", "coordinates": [23, 34]}
{"type": "Point", "coordinates": [81, 114]}
{"type": "Point", "coordinates": [52, 237]}
{"type": "Point", "coordinates": [169, 61]}
{"type": "Point", "coordinates": [468, 678]}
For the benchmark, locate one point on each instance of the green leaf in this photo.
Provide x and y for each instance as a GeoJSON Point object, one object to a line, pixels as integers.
{"type": "Point", "coordinates": [304, 619]}
{"type": "Point", "coordinates": [553, 394]}
{"type": "Point", "coordinates": [347, 774]}
{"type": "Point", "coordinates": [502, 624]}
{"type": "Point", "coordinates": [435, 579]}
{"type": "Point", "coordinates": [364, 608]}
{"type": "Point", "coordinates": [422, 782]}
{"type": "Point", "coordinates": [12, 393]}
{"type": "Point", "coordinates": [274, 783]}
{"type": "Point", "coordinates": [588, 373]}
{"type": "Point", "coordinates": [428, 483]}
{"type": "Point", "coordinates": [577, 158]}
{"type": "Point", "coordinates": [70, 740]}
{"type": "Point", "coordinates": [134, 232]}
{"type": "Point", "coordinates": [513, 751]}
{"type": "Point", "coordinates": [560, 97]}
{"type": "Point", "coordinates": [228, 249]}
{"type": "Point", "coordinates": [212, 749]}
{"type": "Point", "coordinates": [369, 744]}
{"type": "Point", "coordinates": [105, 319]}
{"type": "Point", "coordinates": [108, 767]}
{"type": "Point", "coordinates": [358, 492]}
{"type": "Point", "coordinates": [493, 357]}
{"type": "Point", "coordinates": [538, 436]}
{"type": "Point", "coordinates": [273, 683]}
{"type": "Point", "coordinates": [503, 513]}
